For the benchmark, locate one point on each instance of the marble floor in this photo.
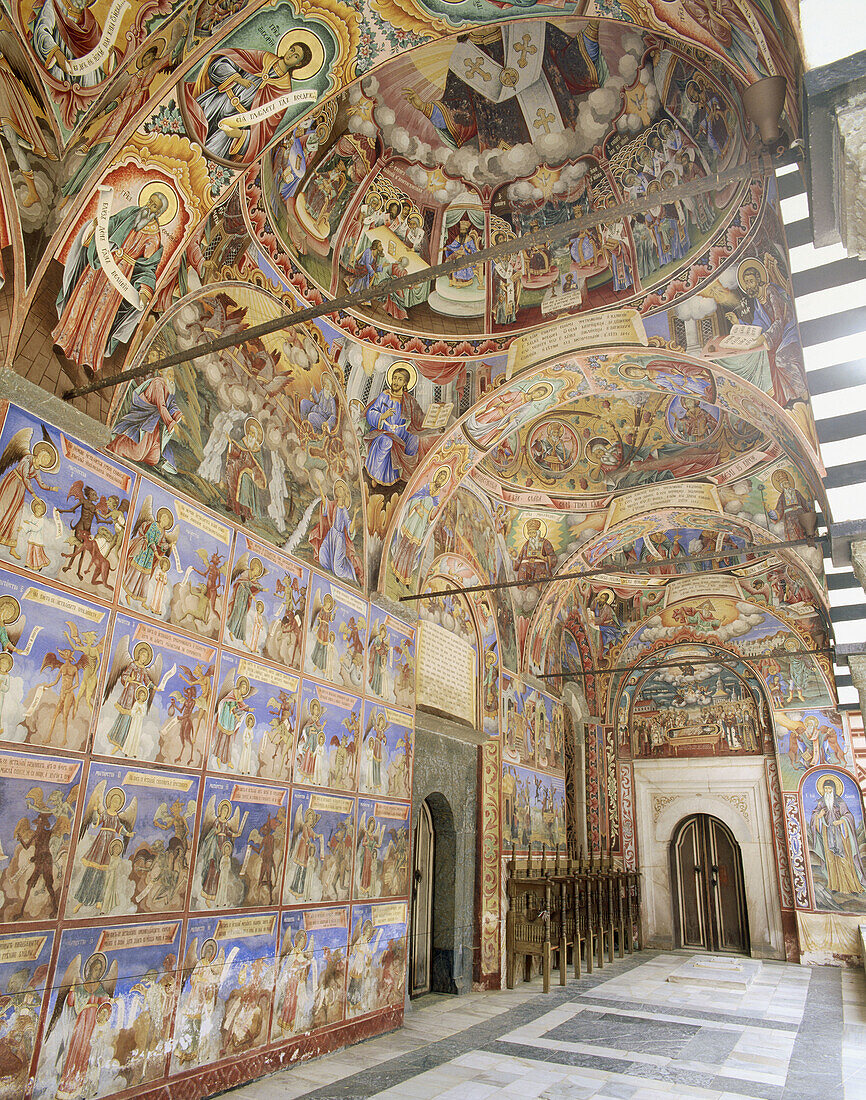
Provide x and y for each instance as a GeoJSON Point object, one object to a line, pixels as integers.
{"type": "Point", "coordinates": [797, 1033]}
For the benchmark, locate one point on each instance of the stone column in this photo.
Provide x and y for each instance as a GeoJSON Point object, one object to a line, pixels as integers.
{"type": "Point", "coordinates": [857, 664]}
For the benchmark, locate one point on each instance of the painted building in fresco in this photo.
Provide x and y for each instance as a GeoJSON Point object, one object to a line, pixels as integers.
{"type": "Point", "coordinates": [210, 679]}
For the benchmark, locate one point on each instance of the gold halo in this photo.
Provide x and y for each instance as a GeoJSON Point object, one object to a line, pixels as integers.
{"type": "Point", "coordinates": [110, 792]}
{"type": "Point", "coordinates": [838, 785]}
{"type": "Point", "coordinates": [256, 567]}
{"type": "Point", "coordinates": [165, 511]}
{"type": "Point", "coordinates": [6, 661]}
{"type": "Point", "coordinates": [439, 470]}
{"type": "Point", "coordinates": [223, 802]}
{"type": "Point", "coordinates": [313, 43]}
{"type": "Point", "coordinates": [248, 423]}
{"type": "Point", "coordinates": [405, 365]}
{"type": "Point", "coordinates": [542, 526]}
{"type": "Point", "coordinates": [170, 213]}
{"type": "Point", "coordinates": [209, 943]}
{"type": "Point", "coordinates": [148, 649]}
{"type": "Point", "coordinates": [778, 475]}
{"type": "Point", "coordinates": [40, 448]}
{"type": "Point", "coordinates": [7, 616]}
{"type": "Point", "coordinates": [243, 686]}
{"type": "Point", "coordinates": [750, 264]}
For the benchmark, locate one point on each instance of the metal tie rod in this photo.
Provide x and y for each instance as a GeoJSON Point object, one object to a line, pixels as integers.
{"type": "Point", "coordinates": [753, 169]}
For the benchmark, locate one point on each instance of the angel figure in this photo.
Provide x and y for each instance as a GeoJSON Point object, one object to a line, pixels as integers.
{"type": "Point", "coordinates": [322, 615]}
{"type": "Point", "coordinates": [153, 540]}
{"type": "Point", "coordinates": [22, 467]}
{"type": "Point", "coordinates": [220, 826]}
{"type": "Point", "coordinates": [109, 815]}
{"type": "Point", "coordinates": [302, 858]}
{"type": "Point", "coordinates": [370, 838]}
{"type": "Point", "coordinates": [310, 764]}
{"type": "Point", "coordinates": [376, 743]}
{"type": "Point", "coordinates": [231, 707]}
{"type": "Point", "coordinates": [11, 623]}
{"type": "Point", "coordinates": [82, 999]}
{"type": "Point", "coordinates": [296, 983]}
{"type": "Point", "coordinates": [362, 951]}
{"type": "Point", "coordinates": [205, 971]}
{"type": "Point", "coordinates": [245, 586]}
{"type": "Point", "coordinates": [132, 671]}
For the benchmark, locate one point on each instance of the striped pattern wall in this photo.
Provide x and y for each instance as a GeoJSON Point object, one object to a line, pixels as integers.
{"type": "Point", "coordinates": [830, 295]}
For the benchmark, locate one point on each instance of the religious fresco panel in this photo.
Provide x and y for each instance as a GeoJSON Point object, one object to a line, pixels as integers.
{"type": "Point", "coordinates": [52, 649]}
{"type": "Point", "coordinates": [378, 947]}
{"type": "Point", "coordinates": [385, 766]}
{"type": "Point", "coordinates": [391, 660]}
{"type": "Point", "coordinates": [63, 507]}
{"type": "Point", "coordinates": [336, 642]}
{"type": "Point", "coordinates": [108, 1021]}
{"type": "Point", "coordinates": [382, 850]}
{"type": "Point", "coordinates": [328, 744]}
{"type": "Point", "coordinates": [134, 846]}
{"type": "Point", "coordinates": [321, 848]}
{"type": "Point", "coordinates": [240, 846]}
{"type": "Point", "coordinates": [809, 738]}
{"type": "Point", "coordinates": [266, 602]}
{"type": "Point", "coordinates": [836, 838]}
{"type": "Point", "coordinates": [310, 984]}
{"type": "Point", "coordinates": [226, 988]}
{"type": "Point", "coordinates": [261, 435]}
{"type": "Point", "coordinates": [24, 969]}
{"type": "Point", "coordinates": [253, 719]}
{"type": "Point", "coordinates": [41, 794]}
{"type": "Point", "coordinates": [174, 564]}
{"type": "Point", "coordinates": [533, 810]}
{"type": "Point", "coordinates": [156, 695]}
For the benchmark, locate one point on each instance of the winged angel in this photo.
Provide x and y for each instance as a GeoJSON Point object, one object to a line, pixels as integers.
{"type": "Point", "coordinates": [206, 974]}
{"type": "Point", "coordinates": [85, 1003]}
{"type": "Point", "coordinates": [110, 822]}
{"type": "Point", "coordinates": [132, 684]}
{"type": "Point", "coordinates": [218, 884]}
{"type": "Point", "coordinates": [23, 465]}
{"type": "Point", "coordinates": [297, 982]}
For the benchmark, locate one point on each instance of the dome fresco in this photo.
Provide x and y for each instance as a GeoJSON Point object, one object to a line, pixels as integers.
{"type": "Point", "coordinates": [423, 163]}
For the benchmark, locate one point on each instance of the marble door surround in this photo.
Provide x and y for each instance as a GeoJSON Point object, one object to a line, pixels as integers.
{"type": "Point", "coordinates": [735, 792]}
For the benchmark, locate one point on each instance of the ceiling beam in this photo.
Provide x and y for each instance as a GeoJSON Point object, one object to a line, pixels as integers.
{"type": "Point", "coordinates": [638, 567]}
{"type": "Point", "coordinates": [755, 168]}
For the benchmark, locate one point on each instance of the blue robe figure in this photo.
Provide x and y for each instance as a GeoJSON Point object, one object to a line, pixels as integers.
{"type": "Point", "coordinates": [394, 421]}
{"type": "Point", "coordinates": [320, 409]}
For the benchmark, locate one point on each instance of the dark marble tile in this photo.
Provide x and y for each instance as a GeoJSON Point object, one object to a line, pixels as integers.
{"type": "Point", "coordinates": [625, 1032]}
{"type": "Point", "coordinates": [710, 1045]}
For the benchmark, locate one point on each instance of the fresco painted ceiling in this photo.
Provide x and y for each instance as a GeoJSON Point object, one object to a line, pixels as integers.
{"type": "Point", "coordinates": [177, 172]}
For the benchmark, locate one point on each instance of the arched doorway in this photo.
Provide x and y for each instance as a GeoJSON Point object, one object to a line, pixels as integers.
{"type": "Point", "coordinates": [436, 943]}
{"type": "Point", "coordinates": [708, 894]}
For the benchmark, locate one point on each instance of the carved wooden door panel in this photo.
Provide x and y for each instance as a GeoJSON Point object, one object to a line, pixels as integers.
{"type": "Point", "coordinates": [421, 930]}
{"type": "Point", "coordinates": [709, 898]}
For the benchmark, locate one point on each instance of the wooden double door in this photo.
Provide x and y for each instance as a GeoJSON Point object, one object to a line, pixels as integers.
{"type": "Point", "coordinates": [709, 898]}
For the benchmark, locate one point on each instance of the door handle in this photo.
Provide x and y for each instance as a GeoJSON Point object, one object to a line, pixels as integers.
{"type": "Point", "coordinates": [714, 881]}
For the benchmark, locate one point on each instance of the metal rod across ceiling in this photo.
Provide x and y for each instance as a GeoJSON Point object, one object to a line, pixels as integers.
{"type": "Point", "coordinates": [568, 673]}
{"type": "Point", "coordinates": [638, 567]}
{"type": "Point", "coordinates": [756, 168]}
